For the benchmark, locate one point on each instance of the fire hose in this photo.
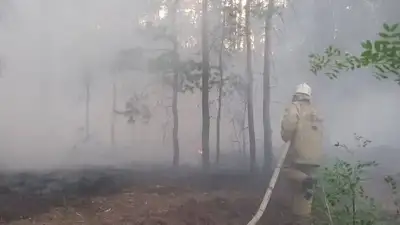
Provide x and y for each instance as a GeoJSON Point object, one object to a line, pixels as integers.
{"type": "Point", "coordinates": [271, 186]}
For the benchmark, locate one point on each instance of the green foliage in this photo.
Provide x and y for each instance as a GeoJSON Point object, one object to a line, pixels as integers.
{"type": "Point", "coordinates": [136, 109]}
{"type": "Point", "coordinates": [189, 72]}
{"type": "Point", "coordinates": [383, 55]}
{"type": "Point", "coordinates": [395, 194]}
{"type": "Point", "coordinates": [344, 194]}
{"type": "Point", "coordinates": [168, 63]}
{"type": "Point", "coordinates": [341, 199]}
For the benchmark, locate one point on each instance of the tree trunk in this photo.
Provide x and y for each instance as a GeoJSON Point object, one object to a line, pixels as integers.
{"type": "Point", "coordinates": [114, 105]}
{"type": "Point", "coordinates": [243, 130]}
{"type": "Point", "coordinates": [87, 114]}
{"type": "Point", "coordinates": [175, 129]}
{"type": "Point", "coordinates": [268, 155]}
{"type": "Point", "coordinates": [175, 88]}
{"type": "Point", "coordinates": [205, 91]}
{"type": "Point", "coordinates": [250, 108]}
{"type": "Point", "coordinates": [237, 135]}
{"type": "Point", "coordinates": [218, 150]}
{"type": "Point", "coordinates": [221, 85]}
{"type": "Point", "coordinates": [239, 26]}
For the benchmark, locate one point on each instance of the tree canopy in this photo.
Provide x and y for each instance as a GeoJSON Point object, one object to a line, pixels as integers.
{"type": "Point", "coordinates": [382, 55]}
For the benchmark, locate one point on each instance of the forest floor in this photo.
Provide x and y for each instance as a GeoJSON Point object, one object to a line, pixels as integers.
{"type": "Point", "coordinates": [109, 196]}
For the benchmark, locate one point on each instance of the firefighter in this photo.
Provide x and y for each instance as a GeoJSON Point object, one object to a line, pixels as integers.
{"type": "Point", "coordinates": [302, 126]}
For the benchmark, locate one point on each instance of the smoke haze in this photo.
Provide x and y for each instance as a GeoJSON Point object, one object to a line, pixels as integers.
{"type": "Point", "coordinates": [49, 48]}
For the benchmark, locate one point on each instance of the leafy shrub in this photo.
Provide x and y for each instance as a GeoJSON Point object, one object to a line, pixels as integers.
{"type": "Point", "coordinates": [340, 198]}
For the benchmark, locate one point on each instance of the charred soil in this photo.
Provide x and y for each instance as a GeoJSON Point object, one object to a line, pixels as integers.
{"type": "Point", "coordinates": [101, 196]}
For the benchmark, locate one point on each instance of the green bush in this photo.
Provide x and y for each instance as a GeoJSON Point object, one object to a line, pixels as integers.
{"type": "Point", "coordinates": [340, 198]}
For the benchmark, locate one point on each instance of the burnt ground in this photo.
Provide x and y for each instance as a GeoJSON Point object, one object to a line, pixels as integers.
{"type": "Point", "coordinates": [100, 196]}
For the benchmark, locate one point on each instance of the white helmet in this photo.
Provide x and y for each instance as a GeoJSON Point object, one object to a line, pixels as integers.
{"type": "Point", "coordinates": [303, 89]}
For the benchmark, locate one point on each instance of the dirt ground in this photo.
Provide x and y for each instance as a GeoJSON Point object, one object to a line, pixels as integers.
{"type": "Point", "coordinates": [146, 199]}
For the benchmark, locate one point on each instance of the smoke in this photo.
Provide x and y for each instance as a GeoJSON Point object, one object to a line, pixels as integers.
{"type": "Point", "coordinates": [356, 102]}
{"type": "Point", "coordinates": [48, 47]}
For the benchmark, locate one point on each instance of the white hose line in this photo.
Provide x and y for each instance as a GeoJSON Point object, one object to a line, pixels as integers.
{"type": "Point", "coordinates": [271, 186]}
